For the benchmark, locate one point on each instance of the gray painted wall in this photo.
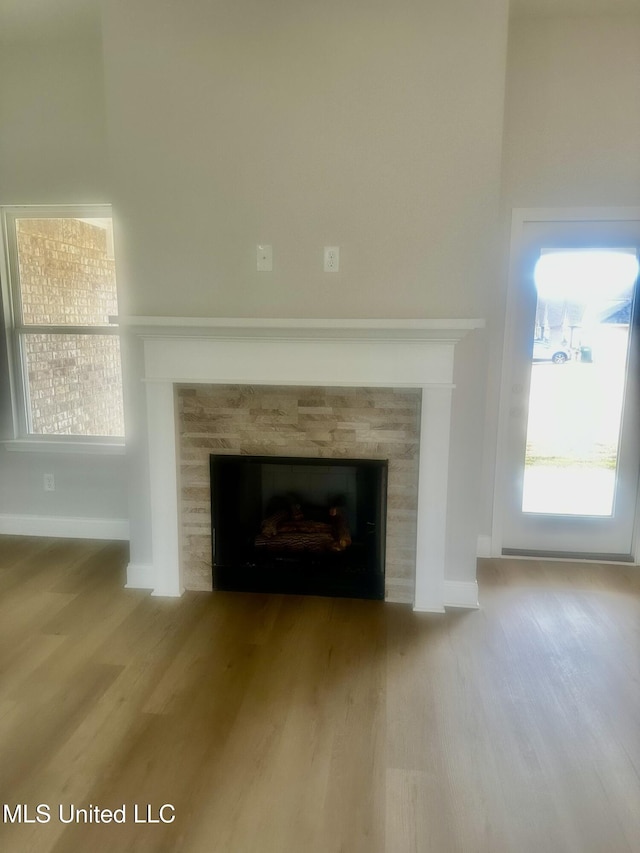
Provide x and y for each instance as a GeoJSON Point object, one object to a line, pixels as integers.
{"type": "Point", "coordinates": [53, 149]}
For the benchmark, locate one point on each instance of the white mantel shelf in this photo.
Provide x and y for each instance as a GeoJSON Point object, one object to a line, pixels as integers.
{"type": "Point", "coordinates": [297, 329]}
{"type": "Point", "coordinates": [317, 353]}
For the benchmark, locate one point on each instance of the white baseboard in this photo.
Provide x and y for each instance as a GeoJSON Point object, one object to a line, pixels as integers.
{"type": "Point", "coordinates": [428, 609]}
{"type": "Point", "coordinates": [461, 594]}
{"type": "Point", "coordinates": [64, 527]}
{"type": "Point", "coordinates": [143, 576]}
{"type": "Point", "coordinates": [484, 546]}
{"type": "Point", "coordinates": [140, 576]}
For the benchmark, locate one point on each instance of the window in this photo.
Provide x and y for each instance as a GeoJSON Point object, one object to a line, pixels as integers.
{"type": "Point", "coordinates": [62, 306]}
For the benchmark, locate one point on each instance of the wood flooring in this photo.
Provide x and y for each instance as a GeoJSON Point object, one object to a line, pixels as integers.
{"type": "Point", "coordinates": [276, 724]}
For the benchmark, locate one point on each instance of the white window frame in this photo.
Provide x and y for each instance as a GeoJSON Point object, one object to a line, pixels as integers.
{"type": "Point", "coordinates": [15, 329]}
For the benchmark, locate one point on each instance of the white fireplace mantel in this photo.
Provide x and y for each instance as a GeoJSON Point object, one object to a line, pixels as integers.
{"type": "Point", "coordinates": [356, 353]}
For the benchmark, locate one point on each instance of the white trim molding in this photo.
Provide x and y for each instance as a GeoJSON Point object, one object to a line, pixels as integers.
{"type": "Point", "coordinates": [347, 353]}
{"type": "Point", "coordinates": [485, 545]}
{"type": "Point", "coordinates": [95, 448]}
{"type": "Point", "coordinates": [140, 576]}
{"type": "Point", "coordinates": [440, 329]}
{"type": "Point", "coordinates": [65, 527]}
{"type": "Point", "coordinates": [462, 594]}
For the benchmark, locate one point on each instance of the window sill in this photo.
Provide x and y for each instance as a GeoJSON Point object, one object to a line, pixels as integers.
{"type": "Point", "coordinates": [95, 448]}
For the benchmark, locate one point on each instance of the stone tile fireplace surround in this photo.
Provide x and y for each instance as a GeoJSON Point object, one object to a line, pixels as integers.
{"type": "Point", "coordinates": [302, 421]}
{"type": "Point", "coordinates": [266, 368]}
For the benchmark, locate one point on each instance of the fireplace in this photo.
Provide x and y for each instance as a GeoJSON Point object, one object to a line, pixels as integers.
{"type": "Point", "coordinates": [337, 353]}
{"type": "Point", "coordinates": [299, 525]}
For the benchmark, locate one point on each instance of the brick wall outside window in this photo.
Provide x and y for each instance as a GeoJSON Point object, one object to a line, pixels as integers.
{"type": "Point", "coordinates": [68, 278]}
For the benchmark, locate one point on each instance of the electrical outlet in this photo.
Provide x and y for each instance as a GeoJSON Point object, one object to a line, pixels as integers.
{"type": "Point", "coordinates": [331, 258]}
{"type": "Point", "coordinates": [49, 483]}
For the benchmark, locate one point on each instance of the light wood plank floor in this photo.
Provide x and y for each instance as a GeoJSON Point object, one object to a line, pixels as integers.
{"type": "Point", "coordinates": [279, 724]}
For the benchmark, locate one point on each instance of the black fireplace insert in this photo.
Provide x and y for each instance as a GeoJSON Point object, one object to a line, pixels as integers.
{"type": "Point", "coordinates": [299, 525]}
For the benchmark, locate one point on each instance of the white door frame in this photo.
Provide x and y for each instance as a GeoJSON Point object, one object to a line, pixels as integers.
{"type": "Point", "coordinates": [521, 217]}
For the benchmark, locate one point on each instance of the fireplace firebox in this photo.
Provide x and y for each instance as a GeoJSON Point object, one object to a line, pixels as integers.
{"type": "Point", "coordinates": [305, 526]}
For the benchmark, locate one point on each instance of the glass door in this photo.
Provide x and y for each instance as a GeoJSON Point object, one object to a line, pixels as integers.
{"type": "Point", "coordinates": [572, 445]}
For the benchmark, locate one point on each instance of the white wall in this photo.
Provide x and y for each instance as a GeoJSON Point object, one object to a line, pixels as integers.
{"type": "Point", "coordinates": [571, 139]}
{"type": "Point", "coordinates": [369, 125]}
{"type": "Point", "coordinates": [53, 149]}
{"type": "Point", "coordinates": [572, 125]}
{"type": "Point", "coordinates": [53, 145]}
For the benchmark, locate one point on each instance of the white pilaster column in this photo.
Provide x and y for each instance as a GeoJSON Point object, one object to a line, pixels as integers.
{"type": "Point", "coordinates": [164, 489]}
{"type": "Point", "coordinates": [432, 498]}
